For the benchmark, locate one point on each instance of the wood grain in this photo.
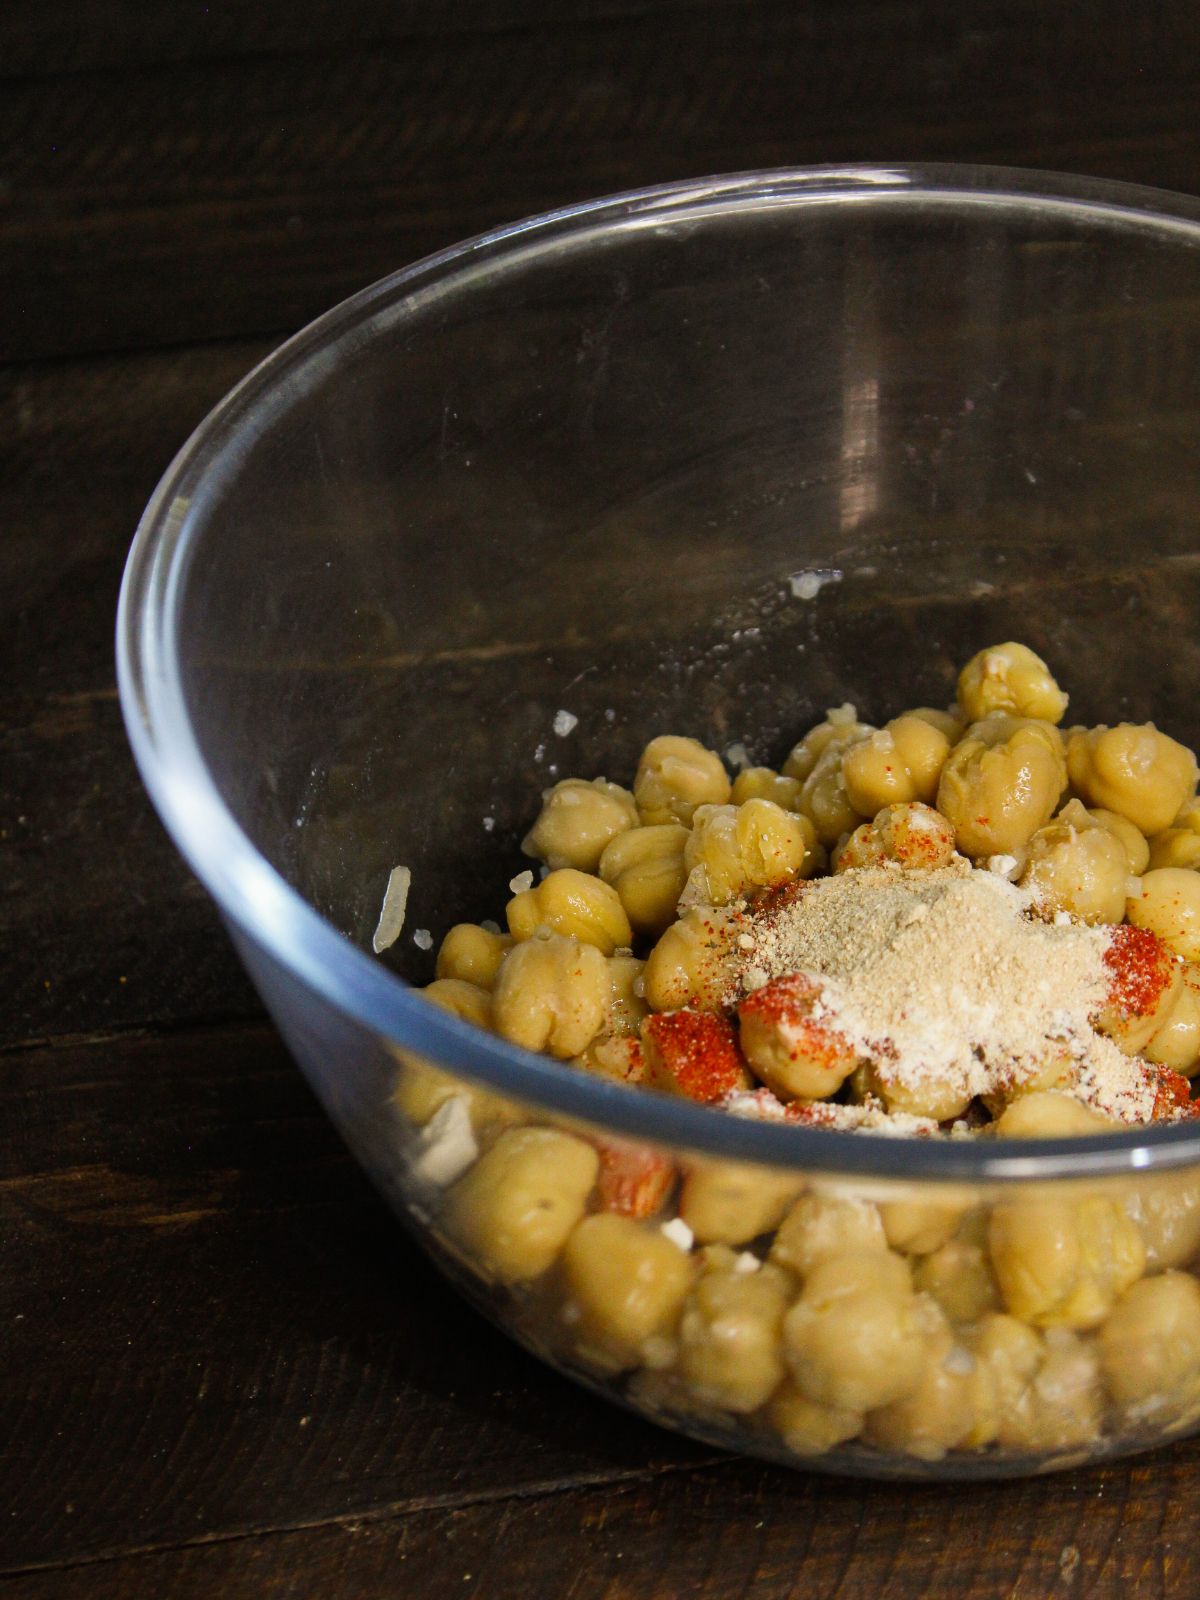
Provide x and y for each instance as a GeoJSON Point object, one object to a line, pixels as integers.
{"type": "Point", "coordinates": [260, 189]}
{"type": "Point", "coordinates": [213, 1326]}
{"type": "Point", "coordinates": [729, 1530]}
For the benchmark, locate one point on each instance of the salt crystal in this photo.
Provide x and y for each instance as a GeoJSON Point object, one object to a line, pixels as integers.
{"type": "Point", "coordinates": [679, 1233]}
{"type": "Point", "coordinates": [808, 585]}
{"type": "Point", "coordinates": [746, 1263]}
{"type": "Point", "coordinates": [522, 882]}
{"type": "Point", "coordinates": [422, 938]}
{"type": "Point", "coordinates": [564, 723]}
{"type": "Point", "coordinates": [447, 1145]}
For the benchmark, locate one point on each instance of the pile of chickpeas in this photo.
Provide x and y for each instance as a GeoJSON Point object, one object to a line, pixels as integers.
{"type": "Point", "coordinates": [1046, 1322]}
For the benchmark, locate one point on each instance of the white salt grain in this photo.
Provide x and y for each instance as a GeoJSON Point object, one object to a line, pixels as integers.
{"type": "Point", "coordinates": [422, 938]}
{"type": "Point", "coordinates": [679, 1233]}
{"type": "Point", "coordinates": [522, 881]}
{"type": "Point", "coordinates": [564, 723]}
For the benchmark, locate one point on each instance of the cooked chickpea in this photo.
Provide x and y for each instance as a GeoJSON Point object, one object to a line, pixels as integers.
{"type": "Point", "coordinates": [1166, 1212]}
{"type": "Point", "coordinates": [724, 1202]}
{"type": "Point", "coordinates": [1150, 1343]}
{"type": "Point", "coordinates": [1001, 782]}
{"type": "Point", "coordinates": [645, 867]}
{"type": "Point", "coordinates": [692, 964]}
{"type": "Point", "coordinates": [941, 1099]}
{"type": "Point", "coordinates": [790, 1045]}
{"type": "Point", "coordinates": [1064, 1262]}
{"type": "Point", "coordinates": [626, 1283]}
{"type": "Point", "coordinates": [617, 1056]}
{"type": "Point", "coordinates": [958, 1276]}
{"type": "Point", "coordinates": [1132, 770]}
{"type": "Point", "coordinates": [1010, 1353]}
{"type": "Point", "coordinates": [552, 993]}
{"type": "Point", "coordinates": [941, 1411]}
{"type": "Point", "coordinates": [914, 836]}
{"type": "Point", "coordinates": [824, 798]}
{"type": "Point", "coordinates": [1137, 851]}
{"type": "Point", "coordinates": [1061, 1407]}
{"type": "Point", "coordinates": [573, 903]}
{"type": "Point", "coordinates": [1168, 903]}
{"type": "Point", "coordinates": [472, 954]}
{"type": "Point", "coordinates": [514, 1209]}
{"type": "Point", "coordinates": [733, 849]}
{"type": "Point", "coordinates": [901, 762]}
{"type": "Point", "coordinates": [626, 1005]}
{"type": "Point", "coordinates": [577, 820]}
{"type": "Point", "coordinates": [809, 1429]}
{"type": "Point", "coordinates": [1176, 1040]}
{"type": "Point", "coordinates": [764, 783]}
{"type": "Point", "coordinates": [1079, 866]}
{"type": "Point", "coordinates": [854, 1339]}
{"type": "Point", "coordinates": [840, 727]}
{"type": "Point", "coordinates": [824, 1225]}
{"type": "Point", "coordinates": [950, 723]}
{"type": "Point", "coordinates": [1175, 847]}
{"type": "Point", "coordinates": [730, 1337]}
{"type": "Point", "coordinates": [1009, 677]}
{"type": "Point", "coordinates": [674, 776]}
{"type": "Point", "coordinates": [1133, 1014]}
{"type": "Point", "coordinates": [918, 1227]}
{"type": "Point", "coordinates": [422, 1089]}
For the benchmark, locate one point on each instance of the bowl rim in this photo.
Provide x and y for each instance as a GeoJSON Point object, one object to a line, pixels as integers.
{"type": "Point", "coordinates": [275, 917]}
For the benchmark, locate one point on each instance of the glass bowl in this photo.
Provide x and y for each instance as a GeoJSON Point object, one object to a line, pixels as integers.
{"type": "Point", "coordinates": [578, 465]}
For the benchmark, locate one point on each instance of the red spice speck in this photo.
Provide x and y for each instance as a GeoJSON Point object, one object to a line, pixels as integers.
{"type": "Point", "coordinates": [787, 1004]}
{"type": "Point", "coordinates": [1140, 969]}
{"type": "Point", "coordinates": [1172, 1095]}
{"type": "Point", "coordinates": [694, 1054]}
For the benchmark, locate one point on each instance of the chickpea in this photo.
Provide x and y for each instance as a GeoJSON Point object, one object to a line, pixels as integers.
{"type": "Point", "coordinates": [1000, 784]}
{"type": "Point", "coordinates": [1135, 1011]}
{"type": "Point", "coordinates": [724, 1202]}
{"type": "Point", "coordinates": [1175, 847]}
{"type": "Point", "coordinates": [635, 1179]}
{"type": "Point", "coordinates": [914, 836]}
{"type": "Point", "coordinates": [950, 723]}
{"type": "Point", "coordinates": [854, 1340]}
{"type": "Point", "coordinates": [918, 1227]}
{"type": "Point", "coordinates": [551, 994]}
{"type": "Point", "coordinates": [941, 1411]}
{"type": "Point", "coordinates": [1009, 1353]}
{"type": "Point", "coordinates": [824, 1225]}
{"type": "Point", "coordinates": [422, 1089]}
{"type": "Point", "coordinates": [577, 820]}
{"type": "Point", "coordinates": [840, 727]}
{"type": "Point", "coordinates": [645, 867]}
{"type": "Point", "coordinates": [941, 1099]}
{"type": "Point", "coordinates": [1057, 1071]}
{"type": "Point", "coordinates": [1168, 903]}
{"type": "Point", "coordinates": [693, 963]}
{"type": "Point", "coordinates": [958, 1276]}
{"type": "Point", "coordinates": [1176, 1040]}
{"type": "Point", "coordinates": [514, 1209]}
{"type": "Point", "coordinates": [824, 798]}
{"type": "Point", "coordinates": [472, 954]}
{"type": "Point", "coordinates": [789, 1044]}
{"type": "Point", "coordinates": [763, 783]}
{"type": "Point", "coordinates": [1137, 851]}
{"type": "Point", "coordinates": [1063, 1263]}
{"type": "Point", "coordinates": [676, 775]}
{"type": "Point", "coordinates": [693, 1054]}
{"type": "Point", "coordinates": [575, 904]}
{"type": "Point", "coordinates": [1150, 1343]}
{"type": "Point", "coordinates": [617, 1056]}
{"type": "Point", "coordinates": [625, 1282]}
{"type": "Point", "coordinates": [733, 849]}
{"type": "Point", "coordinates": [1132, 770]}
{"type": "Point", "coordinates": [1166, 1212]}
{"type": "Point", "coordinates": [1078, 866]}
{"type": "Point", "coordinates": [730, 1337]}
{"type": "Point", "coordinates": [626, 1007]}
{"type": "Point", "coordinates": [1061, 1408]}
{"type": "Point", "coordinates": [809, 1429]}
{"type": "Point", "coordinates": [898, 764]}
{"type": "Point", "coordinates": [1009, 677]}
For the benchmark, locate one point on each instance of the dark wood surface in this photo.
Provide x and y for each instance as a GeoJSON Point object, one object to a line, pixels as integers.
{"type": "Point", "coordinates": [225, 1370]}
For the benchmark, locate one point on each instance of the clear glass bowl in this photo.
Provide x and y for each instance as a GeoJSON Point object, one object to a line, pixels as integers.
{"type": "Point", "coordinates": [574, 464]}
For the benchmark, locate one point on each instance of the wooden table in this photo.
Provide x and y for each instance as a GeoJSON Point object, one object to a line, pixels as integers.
{"type": "Point", "coordinates": [225, 1371]}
